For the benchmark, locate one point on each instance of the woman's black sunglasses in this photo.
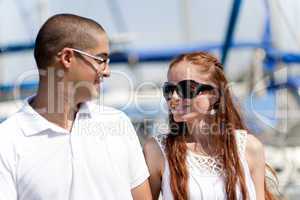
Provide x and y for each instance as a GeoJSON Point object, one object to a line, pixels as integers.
{"type": "Point", "coordinates": [186, 89]}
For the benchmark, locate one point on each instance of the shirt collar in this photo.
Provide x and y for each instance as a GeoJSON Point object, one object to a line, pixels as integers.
{"type": "Point", "coordinates": [85, 109]}
{"type": "Point", "coordinates": [32, 123]}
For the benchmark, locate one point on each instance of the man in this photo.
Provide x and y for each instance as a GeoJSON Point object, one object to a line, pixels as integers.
{"type": "Point", "coordinates": [60, 145]}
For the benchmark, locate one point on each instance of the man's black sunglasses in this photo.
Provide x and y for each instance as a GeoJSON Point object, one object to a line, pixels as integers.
{"type": "Point", "coordinates": [186, 89]}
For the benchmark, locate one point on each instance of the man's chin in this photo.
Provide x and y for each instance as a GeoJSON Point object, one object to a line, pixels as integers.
{"type": "Point", "coordinates": [95, 94]}
{"type": "Point", "coordinates": [91, 95]}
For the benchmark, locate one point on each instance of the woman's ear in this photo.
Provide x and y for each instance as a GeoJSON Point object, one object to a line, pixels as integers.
{"type": "Point", "coordinates": [214, 107]}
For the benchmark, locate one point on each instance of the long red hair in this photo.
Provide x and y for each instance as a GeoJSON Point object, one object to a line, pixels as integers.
{"type": "Point", "coordinates": [228, 119]}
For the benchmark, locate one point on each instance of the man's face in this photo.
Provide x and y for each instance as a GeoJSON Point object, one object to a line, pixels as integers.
{"type": "Point", "coordinates": [86, 73]}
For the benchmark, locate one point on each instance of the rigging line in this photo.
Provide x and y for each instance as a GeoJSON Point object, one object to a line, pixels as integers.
{"type": "Point", "coordinates": [289, 26]}
{"type": "Point", "coordinates": [118, 18]}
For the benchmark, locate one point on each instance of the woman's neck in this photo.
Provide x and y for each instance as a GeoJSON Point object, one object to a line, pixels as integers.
{"type": "Point", "coordinates": [200, 135]}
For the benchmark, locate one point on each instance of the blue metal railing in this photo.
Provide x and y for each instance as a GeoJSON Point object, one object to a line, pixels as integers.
{"type": "Point", "coordinates": [235, 10]}
{"type": "Point", "coordinates": [163, 54]}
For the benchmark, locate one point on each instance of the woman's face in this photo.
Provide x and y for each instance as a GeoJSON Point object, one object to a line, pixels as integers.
{"type": "Point", "coordinates": [188, 109]}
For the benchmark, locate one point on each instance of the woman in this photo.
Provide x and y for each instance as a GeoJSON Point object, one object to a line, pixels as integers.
{"type": "Point", "coordinates": [208, 153]}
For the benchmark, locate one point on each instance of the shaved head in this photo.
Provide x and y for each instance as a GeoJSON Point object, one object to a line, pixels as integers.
{"type": "Point", "coordinates": [64, 30]}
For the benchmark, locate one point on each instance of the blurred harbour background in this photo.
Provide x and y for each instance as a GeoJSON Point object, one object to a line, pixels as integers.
{"type": "Point", "coordinates": [258, 40]}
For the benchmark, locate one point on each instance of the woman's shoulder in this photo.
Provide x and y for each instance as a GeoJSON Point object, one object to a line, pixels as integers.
{"type": "Point", "coordinates": [151, 144]}
{"type": "Point", "coordinates": [254, 146]}
{"type": "Point", "coordinates": [248, 142]}
{"type": "Point", "coordinates": [155, 144]}
{"type": "Point", "coordinates": [154, 155]}
{"type": "Point", "coordinates": [254, 151]}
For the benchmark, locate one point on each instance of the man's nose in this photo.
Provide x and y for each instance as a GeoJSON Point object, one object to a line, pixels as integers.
{"type": "Point", "coordinates": [106, 71]}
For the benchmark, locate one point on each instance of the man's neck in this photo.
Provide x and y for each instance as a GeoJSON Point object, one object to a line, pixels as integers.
{"type": "Point", "coordinates": [55, 106]}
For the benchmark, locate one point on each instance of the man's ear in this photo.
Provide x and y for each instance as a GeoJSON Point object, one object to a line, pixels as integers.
{"type": "Point", "coordinates": [66, 56]}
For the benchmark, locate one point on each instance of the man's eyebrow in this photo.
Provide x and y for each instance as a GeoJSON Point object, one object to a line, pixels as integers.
{"type": "Point", "coordinates": [105, 55]}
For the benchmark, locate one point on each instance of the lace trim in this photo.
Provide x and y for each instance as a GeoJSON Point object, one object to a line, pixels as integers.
{"type": "Point", "coordinates": [161, 140]}
{"type": "Point", "coordinates": [204, 164]}
{"type": "Point", "coordinates": [208, 164]}
{"type": "Point", "coordinates": [241, 140]}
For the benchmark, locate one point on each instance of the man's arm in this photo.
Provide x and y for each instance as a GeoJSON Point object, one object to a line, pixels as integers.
{"type": "Point", "coordinates": [7, 175]}
{"type": "Point", "coordinates": [138, 169]}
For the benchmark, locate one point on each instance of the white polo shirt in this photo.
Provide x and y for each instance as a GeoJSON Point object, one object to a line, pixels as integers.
{"type": "Point", "coordinates": [100, 159]}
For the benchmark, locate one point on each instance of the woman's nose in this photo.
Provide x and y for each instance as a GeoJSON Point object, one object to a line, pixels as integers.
{"type": "Point", "coordinates": [175, 95]}
{"type": "Point", "coordinates": [174, 101]}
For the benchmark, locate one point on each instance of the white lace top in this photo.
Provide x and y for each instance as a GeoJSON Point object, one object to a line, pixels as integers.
{"type": "Point", "coordinates": [206, 176]}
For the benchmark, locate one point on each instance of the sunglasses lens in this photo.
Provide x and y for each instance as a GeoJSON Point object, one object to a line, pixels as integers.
{"type": "Point", "coordinates": [168, 90]}
{"type": "Point", "coordinates": [187, 89]}
{"type": "Point", "coordinates": [204, 88]}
